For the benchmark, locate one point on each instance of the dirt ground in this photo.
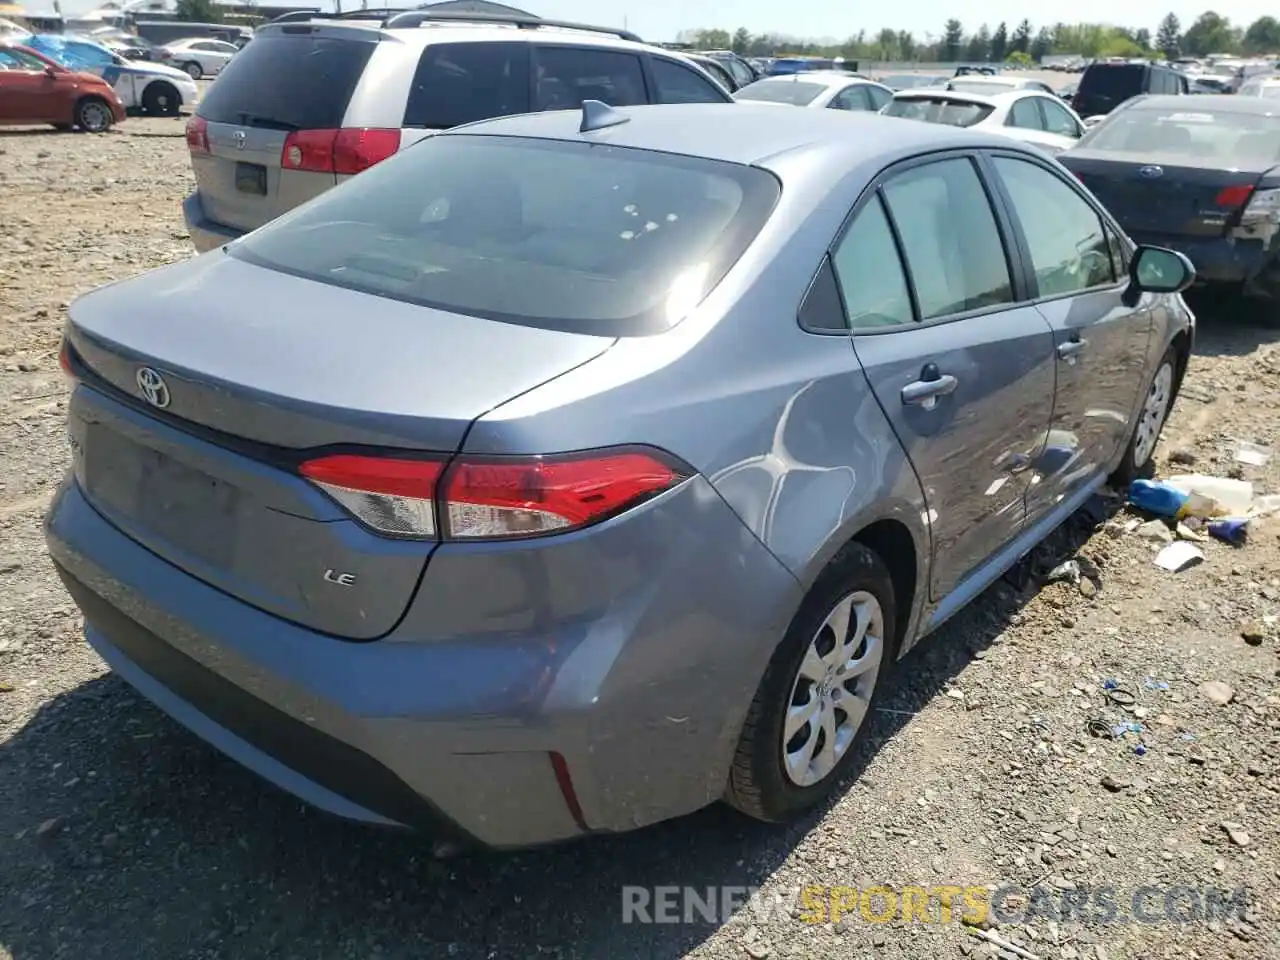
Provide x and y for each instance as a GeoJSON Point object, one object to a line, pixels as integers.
{"type": "Point", "coordinates": [122, 836]}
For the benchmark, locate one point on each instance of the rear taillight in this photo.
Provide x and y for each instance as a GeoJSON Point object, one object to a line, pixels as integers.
{"type": "Point", "coordinates": [64, 359]}
{"type": "Point", "coordinates": [198, 135]}
{"type": "Point", "coordinates": [1264, 205]}
{"type": "Point", "coordinates": [344, 151]}
{"type": "Point", "coordinates": [1233, 196]}
{"type": "Point", "coordinates": [492, 498]}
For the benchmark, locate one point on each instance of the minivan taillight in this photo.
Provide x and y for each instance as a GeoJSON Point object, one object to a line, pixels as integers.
{"type": "Point", "coordinates": [492, 497]}
{"type": "Point", "coordinates": [345, 151]}
{"type": "Point", "coordinates": [198, 135]}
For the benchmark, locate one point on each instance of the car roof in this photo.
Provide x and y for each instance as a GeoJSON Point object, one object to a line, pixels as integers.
{"type": "Point", "coordinates": [1210, 103]}
{"type": "Point", "coordinates": [965, 96]}
{"type": "Point", "coordinates": [745, 133]}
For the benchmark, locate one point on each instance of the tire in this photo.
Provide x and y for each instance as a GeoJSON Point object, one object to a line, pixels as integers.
{"type": "Point", "coordinates": [93, 115]}
{"type": "Point", "coordinates": [193, 69]}
{"type": "Point", "coordinates": [1152, 416]}
{"type": "Point", "coordinates": [161, 99]}
{"type": "Point", "coordinates": [769, 779]}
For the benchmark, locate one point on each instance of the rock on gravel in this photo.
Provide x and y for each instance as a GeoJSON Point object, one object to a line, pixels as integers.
{"type": "Point", "coordinates": [123, 836]}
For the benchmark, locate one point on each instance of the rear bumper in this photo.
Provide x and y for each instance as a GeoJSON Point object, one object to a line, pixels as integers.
{"type": "Point", "coordinates": [205, 234]}
{"type": "Point", "coordinates": [1223, 260]}
{"type": "Point", "coordinates": [457, 736]}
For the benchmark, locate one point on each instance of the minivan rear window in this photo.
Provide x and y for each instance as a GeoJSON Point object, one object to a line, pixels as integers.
{"type": "Point", "coordinates": [558, 234]}
{"type": "Point", "coordinates": [287, 82]}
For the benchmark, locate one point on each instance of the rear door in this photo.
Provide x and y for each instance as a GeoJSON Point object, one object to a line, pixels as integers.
{"type": "Point", "coordinates": [299, 78]}
{"type": "Point", "coordinates": [1077, 265]}
{"type": "Point", "coordinates": [963, 371]}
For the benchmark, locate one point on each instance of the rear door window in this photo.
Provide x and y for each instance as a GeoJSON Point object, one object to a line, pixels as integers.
{"type": "Point", "coordinates": [565, 76]}
{"type": "Point", "coordinates": [1057, 120]}
{"type": "Point", "coordinates": [464, 82]}
{"type": "Point", "coordinates": [869, 272]}
{"type": "Point", "coordinates": [851, 98]}
{"type": "Point", "coordinates": [284, 82]}
{"type": "Point", "coordinates": [878, 97]}
{"type": "Point", "coordinates": [676, 83]}
{"type": "Point", "coordinates": [1025, 114]}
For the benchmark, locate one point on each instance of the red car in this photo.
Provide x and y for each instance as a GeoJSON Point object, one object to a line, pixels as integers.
{"type": "Point", "coordinates": [35, 89]}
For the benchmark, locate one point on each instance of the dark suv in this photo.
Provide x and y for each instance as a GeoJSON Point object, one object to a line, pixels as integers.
{"type": "Point", "coordinates": [1104, 86]}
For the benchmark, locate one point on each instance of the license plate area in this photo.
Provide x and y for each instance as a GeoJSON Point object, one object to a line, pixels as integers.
{"type": "Point", "coordinates": [251, 178]}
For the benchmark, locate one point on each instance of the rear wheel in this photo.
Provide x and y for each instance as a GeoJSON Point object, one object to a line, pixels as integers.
{"type": "Point", "coordinates": [1156, 404]}
{"type": "Point", "coordinates": [161, 99]}
{"type": "Point", "coordinates": [817, 691]}
{"type": "Point", "coordinates": [93, 115]}
{"type": "Point", "coordinates": [194, 70]}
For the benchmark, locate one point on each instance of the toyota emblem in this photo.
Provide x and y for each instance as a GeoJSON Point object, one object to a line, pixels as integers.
{"type": "Point", "coordinates": [154, 390]}
{"type": "Point", "coordinates": [240, 136]}
{"type": "Point", "coordinates": [1151, 172]}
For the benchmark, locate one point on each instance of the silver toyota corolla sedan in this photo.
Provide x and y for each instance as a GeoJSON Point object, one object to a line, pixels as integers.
{"type": "Point", "coordinates": [569, 472]}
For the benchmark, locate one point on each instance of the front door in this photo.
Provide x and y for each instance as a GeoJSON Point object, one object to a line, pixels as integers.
{"type": "Point", "coordinates": [963, 373]}
{"type": "Point", "coordinates": [28, 94]}
{"type": "Point", "coordinates": [1100, 344]}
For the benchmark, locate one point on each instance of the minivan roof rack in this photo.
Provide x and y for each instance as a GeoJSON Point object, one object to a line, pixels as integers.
{"type": "Point", "coordinates": [414, 18]}
{"type": "Point", "coordinates": [379, 14]}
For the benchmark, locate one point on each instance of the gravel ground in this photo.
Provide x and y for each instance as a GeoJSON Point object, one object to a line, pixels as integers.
{"type": "Point", "coordinates": [122, 836]}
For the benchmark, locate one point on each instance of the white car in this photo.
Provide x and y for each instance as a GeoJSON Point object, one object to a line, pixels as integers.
{"type": "Point", "coordinates": [819, 88]}
{"type": "Point", "coordinates": [1266, 87]}
{"type": "Point", "coordinates": [1027, 115]}
{"type": "Point", "coordinates": [151, 88]}
{"type": "Point", "coordinates": [978, 83]}
{"type": "Point", "coordinates": [198, 56]}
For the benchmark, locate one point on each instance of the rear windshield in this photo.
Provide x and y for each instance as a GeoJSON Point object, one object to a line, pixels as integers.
{"type": "Point", "coordinates": [557, 234]}
{"type": "Point", "coordinates": [1114, 80]}
{"type": "Point", "coordinates": [1234, 139]}
{"type": "Point", "coordinates": [795, 92]}
{"type": "Point", "coordinates": [981, 86]}
{"type": "Point", "coordinates": [955, 113]}
{"type": "Point", "coordinates": [288, 83]}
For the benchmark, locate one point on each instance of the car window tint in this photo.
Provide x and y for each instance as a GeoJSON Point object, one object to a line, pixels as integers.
{"type": "Point", "coordinates": [877, 96]}
{"type": "Point", "coordinates": [1025, 115]}
{"type": "Point", "coordinates": [1069, 250]}
{"type": "Point", "coordinates": [463, 82]}
{"type": "Point", "coordinates": [567, 75]}
{"type": "Point", "coordinates": [741, 74]}
{"type": "Point", "coordinates": [870, 274]}
{"type": "Point", "coordinates": [950, 238]}
{"type": "Point", "coordinates": [676, 83]}
{"type": "Point", "coordinates": [851, 98]}
{"type": "Point", "coordinates": [1057, 120]}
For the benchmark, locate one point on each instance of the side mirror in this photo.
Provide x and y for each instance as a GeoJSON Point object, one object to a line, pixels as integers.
{"type": "Point", "coordinates": [1160, 270]}
{"type": "Point", "coordinates": [1090, 122]}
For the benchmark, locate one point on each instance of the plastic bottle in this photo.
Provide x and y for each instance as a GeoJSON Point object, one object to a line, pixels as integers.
{"type": "Point", "coordinates": [1152, 496]}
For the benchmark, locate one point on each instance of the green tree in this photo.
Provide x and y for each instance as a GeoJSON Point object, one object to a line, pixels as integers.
{"type": "Point", "coordinates": [1142, 37]}
{"type": "Point", "coordinates": [1211, 33]}
{"type": "Point", "coordinates": [952, 40]}
{"type": "Point", "coordinates": [1042, 45]}
{"type": "Point", "coordinates": [741, 41]}
{"type": "Point", "coordinates": [1169, 37]}
{"type": "Point", "coordinates": [1263, 36]}
{"type": "Point", "coordinates": [1021, 42]}
{"type": "Point", "coordinates": [907, 45]}
{"type": "Point", "coordinates": [886, 45]}
{"type": "Point", "coordinates": [979, 45]}
{"type": "Point", "coordinates": [712, 39]}
{"type": "Point", "coordinates": [999, 42]}
{"type": "Point", "coordinates": [199, 11]}
{"type": "Point", "coordinates": [1019, 58]}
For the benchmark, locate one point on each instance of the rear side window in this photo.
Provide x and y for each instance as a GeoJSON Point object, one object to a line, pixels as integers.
{"type": "Point", "coordinates": [1024, 114]}
{"type": "Point", "coordinates": [463, 82]}
{"type": "Point", "coordinates": [288, 83]}
{"type": "Point", "coordinates": [568, 75]}
{"type": "Point", "coordinates": [870, 274]}
{"type": "Point", "coordinates": [558, 234]}
{"type": "Point", "coordinates": [676, 83]}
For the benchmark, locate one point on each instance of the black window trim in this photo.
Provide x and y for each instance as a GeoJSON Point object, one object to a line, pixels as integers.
{"type": "Point", "coordinates": [651, 81]}
{"type": "Point", "coordinates": [1014, 246]}
{"type": "Point", "coordinates": [1008, 214]}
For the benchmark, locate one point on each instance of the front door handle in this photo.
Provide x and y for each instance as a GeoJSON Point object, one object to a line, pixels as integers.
{"type": "Point", "coordinates": [926, 392]}
{"type": "Point", "coordinates": [1070, 349]}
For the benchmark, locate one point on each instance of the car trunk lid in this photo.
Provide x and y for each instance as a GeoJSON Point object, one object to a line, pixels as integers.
{"type": "Point", "coordinates": [214, 379]}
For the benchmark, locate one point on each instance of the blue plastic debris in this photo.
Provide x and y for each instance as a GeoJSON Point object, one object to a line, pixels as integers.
{"type": "Point", "coordinates": [1232, 530]}
{"type": "Point", "coordinates": [1155, 684]}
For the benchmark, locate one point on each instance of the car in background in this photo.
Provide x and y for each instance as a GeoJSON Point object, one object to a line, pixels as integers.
{"type": "Point", "coordinates": [129, 46]}
{"type": "Point", "coordinates": [1203, 83]}
{"type": "Point", "coordinates": [991, 85]}
{"type": "Point", "coordinates": [309, 103]}
{"type": "Point", "coordinates": [741, 69]}
{"type": "Point", "coordinates": [1027, 115]}
{"type": "Point", "coordinates": [912, 81]}
{"type": "Point", "coordinates": [1266, 87]}
{"type": "Point", "coordinates": [1068, 92]}
{"type": "Point", "coordinates": [150, 88]}
{"type": "Point", "coordinates": [819, 89]}
{"type": "Point", "coordinates": [1201, 176]}
{"type": "Point", "coordinates": [35, 90]}
{"type": "Point", "coordinates": [717, 69]}
{"type": "Point", "coordinates": [198, 57]}
{"type": "Point", "coordinates": [785, 66]}
{"type": "Point", "coordinates": [970, 70]}
{"type": "Point", "coordinates": [576, 470]}
{"type": "Point", "coordinates": [1104, 86]}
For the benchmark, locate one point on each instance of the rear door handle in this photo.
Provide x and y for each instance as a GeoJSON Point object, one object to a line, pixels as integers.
{"type": "Point", "coordinates": [1070, 349]}
{"type": "Point", "coordinates": [926, 392]}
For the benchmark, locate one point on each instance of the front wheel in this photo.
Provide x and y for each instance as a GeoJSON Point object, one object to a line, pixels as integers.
{"type": "Point", "coordinates": [817, 691]}
{"type": "Point", "coordinates": [93, 116]}
{"type": "Point", "coordinates": [161, 99]}
{"type": "Point", "coordinates": [1156, 404]}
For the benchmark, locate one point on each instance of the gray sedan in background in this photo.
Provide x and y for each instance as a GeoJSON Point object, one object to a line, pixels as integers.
{"type": "Point", "coordinates": [572, 471]}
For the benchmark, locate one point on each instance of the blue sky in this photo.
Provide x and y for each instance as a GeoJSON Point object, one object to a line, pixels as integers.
{"type": "Point", "coordinates": [662, 19]}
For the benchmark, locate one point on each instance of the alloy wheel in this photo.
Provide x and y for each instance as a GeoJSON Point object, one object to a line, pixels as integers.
{"type": "Point", "coordinates": [1154, 410]}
